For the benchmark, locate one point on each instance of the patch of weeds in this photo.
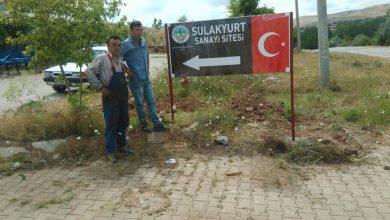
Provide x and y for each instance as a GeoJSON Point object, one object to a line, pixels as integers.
{"type": "Point", "coordinates": [352, 115]}
{"type": "Point", "coordinates": [5, 167]}
{"type": "Point", "coordinates": [78, 100]}
{"type": "Point", "coordinates": [211, 121]}
{"type": "Point", "coordinates": [214, 181]}
{"type": "Point", "coordinates": [81, 150]}
{"type": "Point", "coordinates": [220, 117]}
{"type": "Point", "coordinates": [334, 87]}
{"type": "Point", "coordinates": [33, 161]}
{"type": "Point", "coordinates": [273, 145]}
{"type": "Point", "coordinates": [336, 127]}
{"type": "Point", "coordinates": [313, 152]}
{"type": "Point", "coordinates": [58, 183]}
{"type": "Point", "coordinates": [367, 64]}
{"type": "Point", "coordinates": [68, 189]}
{"type": "Point", "coordinates": [25, 202]}
{"type": "Point", "coordinates": [39, 121]}
{"type": "Point", "coordinates": [66, 197]}
{"type": "Point", "coordinates": [287, 109]}
{"type": "Point", "coordinates": [22, 175]}
{"type": "Point", "coordinates": [378, 111]}
{"type": "Point", "coordinates": [133, 122]}
{"type": "Point", "coordinates": [183, 119]}
{"type": "Point", "coordinates": [160, 84]}
{"type": "Point", "coordinates": [212, 87]}
{"type": "Point", "coordinates": [309, 102]}
{"type": "Point", "coordinates": [282, 164]}
{"type": "Point", "coordinates": [36, 106]}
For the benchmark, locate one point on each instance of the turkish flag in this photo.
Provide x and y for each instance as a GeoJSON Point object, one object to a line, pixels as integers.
{"type": "Point", "coordinates": [271, 43]}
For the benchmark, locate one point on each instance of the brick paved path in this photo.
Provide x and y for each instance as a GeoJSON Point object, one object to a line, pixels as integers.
{"type": "Point", "coordinates": [199, 189]}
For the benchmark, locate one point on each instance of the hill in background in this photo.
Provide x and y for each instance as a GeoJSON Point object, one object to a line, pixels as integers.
{"type": "Point", "coordinates": [369, 12]}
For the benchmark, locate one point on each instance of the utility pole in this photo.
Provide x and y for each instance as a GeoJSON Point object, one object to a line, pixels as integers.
{"type": "Point", "coordinates": [298, 27]}
{"type": "Point", "coordinates": [323, 44]}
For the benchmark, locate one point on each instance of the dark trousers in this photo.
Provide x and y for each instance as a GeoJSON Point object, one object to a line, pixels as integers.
{"type": "Point", "coordinates": [115, 114]}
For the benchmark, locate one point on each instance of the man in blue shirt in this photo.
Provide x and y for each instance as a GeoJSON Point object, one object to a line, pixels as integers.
{"type": "Point", "coordinates": [135, 53]}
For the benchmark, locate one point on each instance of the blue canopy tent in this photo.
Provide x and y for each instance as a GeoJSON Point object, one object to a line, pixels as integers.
{"type": "Point", "coordinates": [13, 57]}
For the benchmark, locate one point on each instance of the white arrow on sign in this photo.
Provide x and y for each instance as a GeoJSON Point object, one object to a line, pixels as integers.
{"type": "Point", "coordinates": [196, 63]}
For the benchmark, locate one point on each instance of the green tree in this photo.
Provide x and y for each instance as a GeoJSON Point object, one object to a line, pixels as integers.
{"type": "Point", "coordinates": [335, 41]}
{"type": "Point", "coordinates": [157, 24]}
{"type": "Point", "coordinates": [383, 34]}
{"type": "Point", "coordinates": [121, 28]}
{"type": "Point", "coordinates": [3, 30]}
{"type": "Point", "coordinates": [350, 29]}
{"type": "Point", "coordinates": [361, 40]}
{"type": "Point", "coordinates": [63, 31]}
{"type": "Point", "coordinates": [309, 38]}
{"type": "Point", "coordinates": [8, 30]}
{"type": "Point", "coordinates": [247, 7]}
{"type": "Point", "coordinates": [182, 19]}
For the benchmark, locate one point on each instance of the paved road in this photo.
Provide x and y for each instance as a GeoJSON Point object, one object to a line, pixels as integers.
{"type": "Point", "coordinates": [14, 91]}
{"type": "Point", "coordinates": [31, 87]}
{"type": "Point", "coordinates": [369, 50]}
{"type": "Point", "coordinates": [198, 189]}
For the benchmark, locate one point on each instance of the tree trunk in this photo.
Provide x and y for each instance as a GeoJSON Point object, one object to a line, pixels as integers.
{"type": "Point", "coordinates": [81, 90]}
{"type": "Point", "coordinates": [66, 80]}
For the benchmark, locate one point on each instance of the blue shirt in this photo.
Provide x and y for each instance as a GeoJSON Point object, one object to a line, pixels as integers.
{"type": "Point", "coordinates": [136, 57]}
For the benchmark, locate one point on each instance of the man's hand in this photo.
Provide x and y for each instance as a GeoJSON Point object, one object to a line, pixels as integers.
{"type": "Point", "coordinates": [129, 73]}
{"type": "Point", "coordinates": [105, 92]}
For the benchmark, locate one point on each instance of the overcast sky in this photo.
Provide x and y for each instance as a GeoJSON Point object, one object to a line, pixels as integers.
{"type": "Point", "coordinates": [170, 10]}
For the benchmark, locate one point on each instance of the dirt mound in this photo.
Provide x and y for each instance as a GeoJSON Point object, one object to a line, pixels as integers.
{"type": "Point", "coordinates": [251, 107]}
{"type": "Point", "coordinates": [187, 104]}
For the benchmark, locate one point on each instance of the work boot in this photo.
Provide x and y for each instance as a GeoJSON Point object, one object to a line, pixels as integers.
{"type": "Point", "coordinates": [111, 157]}
{"type": "Point", "coordinates": [126, 150]}
{"type": "Point", "coordinates": [160, 128]}
{"type": "Point", "coordinates": [146, 129]}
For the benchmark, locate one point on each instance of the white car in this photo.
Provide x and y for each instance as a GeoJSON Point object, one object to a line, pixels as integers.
{"type": "Point", "coordinates": [53, 75]}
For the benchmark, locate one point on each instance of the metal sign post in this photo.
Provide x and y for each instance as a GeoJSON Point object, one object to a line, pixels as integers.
{"type": "Point", "coordinates": [170, 73]}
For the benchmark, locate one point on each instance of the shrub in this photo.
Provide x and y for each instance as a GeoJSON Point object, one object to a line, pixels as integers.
{"type": "Point", "coordinates": [361, 40]}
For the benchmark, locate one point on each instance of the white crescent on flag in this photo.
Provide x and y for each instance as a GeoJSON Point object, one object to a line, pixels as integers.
{"type": "Point", "coordinates": [261, 43]}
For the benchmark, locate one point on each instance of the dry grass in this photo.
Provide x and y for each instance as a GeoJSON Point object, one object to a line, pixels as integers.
{"type": "Point", "coordinates": [361, 89]}
{"type": "Point", "coordinates": [39, 121]}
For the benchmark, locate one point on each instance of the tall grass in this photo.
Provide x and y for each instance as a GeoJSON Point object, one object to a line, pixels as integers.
{"type": "Point", "coordinates": [208, 89]}
{"type": "Point", "coordinates": [39, 121]}
{"type": "Point", "coordinates": [361, 93]}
